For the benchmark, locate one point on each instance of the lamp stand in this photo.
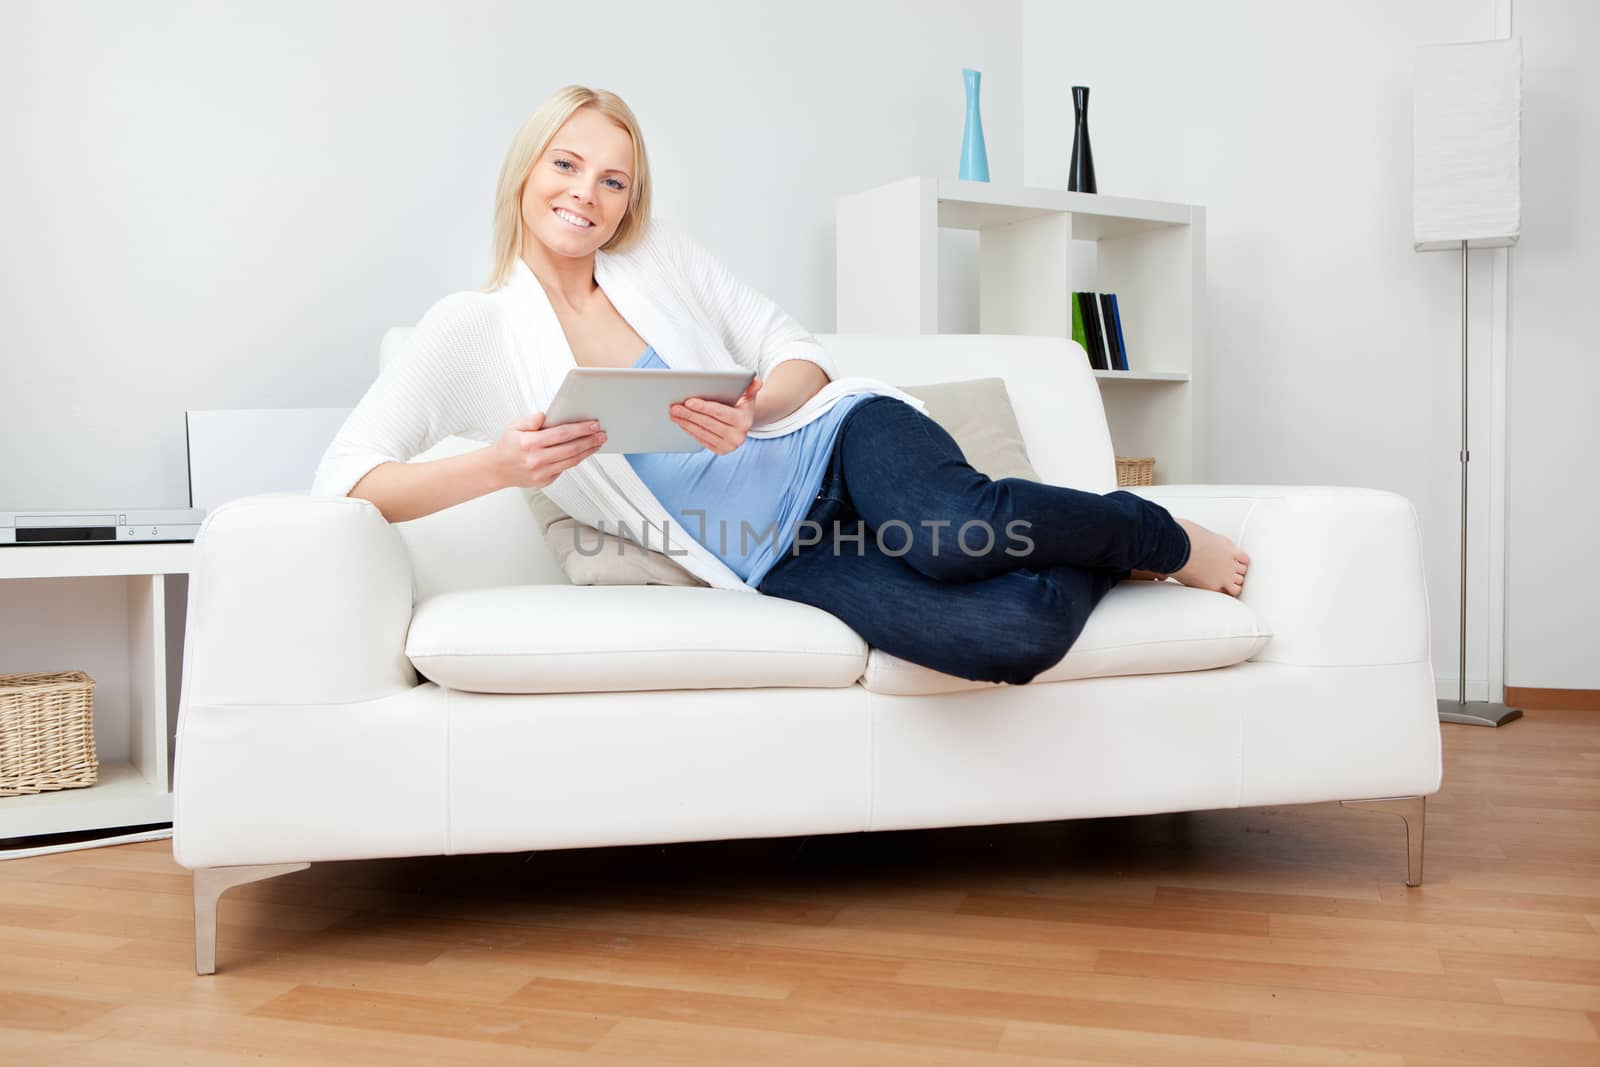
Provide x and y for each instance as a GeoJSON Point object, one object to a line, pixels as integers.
{"type": "Point", "coordinates": [1476, 712]}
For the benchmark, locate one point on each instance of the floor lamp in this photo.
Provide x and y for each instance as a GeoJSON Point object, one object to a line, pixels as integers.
{"type": "Point", "coordinates": [1466, 193]}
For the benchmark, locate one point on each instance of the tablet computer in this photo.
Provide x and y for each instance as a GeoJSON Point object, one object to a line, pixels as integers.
{"type": "Point", "coordinates": [632, 403]}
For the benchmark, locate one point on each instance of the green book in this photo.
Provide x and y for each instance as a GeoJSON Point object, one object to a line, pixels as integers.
{"type": "Point", "coordinates": [1077, 324]}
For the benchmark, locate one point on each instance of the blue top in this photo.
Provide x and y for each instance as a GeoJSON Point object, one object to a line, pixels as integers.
{"type": "Point", "coordinates": [746, 505]}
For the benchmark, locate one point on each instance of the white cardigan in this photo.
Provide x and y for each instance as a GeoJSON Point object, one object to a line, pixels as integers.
{"type": "Point", "coordinates": [477, 361]}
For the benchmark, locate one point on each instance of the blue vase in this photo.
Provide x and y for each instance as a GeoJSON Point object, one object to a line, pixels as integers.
{"type": "Point", "coordinates": [974, 159]}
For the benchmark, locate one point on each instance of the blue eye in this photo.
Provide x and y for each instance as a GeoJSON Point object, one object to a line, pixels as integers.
{"type": "Point", "coordinates": [615, 182]}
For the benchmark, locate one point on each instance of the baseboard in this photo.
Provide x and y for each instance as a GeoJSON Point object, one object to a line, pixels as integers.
{"type": "Point", "coordinates": [1526, 698]}
{"type": "Point", "coordinates": [1522, 696]}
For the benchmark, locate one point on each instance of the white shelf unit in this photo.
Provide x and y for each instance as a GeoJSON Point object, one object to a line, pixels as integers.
{"type": "Point", "coordinates": [1035, 248]}
{"type": "Point", "coordinates": [138, 790]}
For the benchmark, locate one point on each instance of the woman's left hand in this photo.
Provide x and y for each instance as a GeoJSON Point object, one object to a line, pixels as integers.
{"type": "Point", "coordinates": [720, 427]}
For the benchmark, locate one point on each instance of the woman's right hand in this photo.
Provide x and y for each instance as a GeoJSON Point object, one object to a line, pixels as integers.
{"type": "Point", "coordinates": [530, 455]}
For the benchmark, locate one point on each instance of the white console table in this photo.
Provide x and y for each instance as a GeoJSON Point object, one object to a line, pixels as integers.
{"type": "Point", "coordinates": [136, 791]}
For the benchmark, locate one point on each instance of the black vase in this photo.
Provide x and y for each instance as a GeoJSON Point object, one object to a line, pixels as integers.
{"type": "Point", "coordinates": [1081, 177]}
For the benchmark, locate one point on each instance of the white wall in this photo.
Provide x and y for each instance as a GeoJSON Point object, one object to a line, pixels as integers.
{"type": "Point", "coordinates": [1334, 352]}
{"type": "Point", "coordinates": [1553, 387]}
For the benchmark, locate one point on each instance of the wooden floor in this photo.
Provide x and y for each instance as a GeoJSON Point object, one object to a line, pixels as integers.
{"type": "Point", "coordinates": [1252, 936]}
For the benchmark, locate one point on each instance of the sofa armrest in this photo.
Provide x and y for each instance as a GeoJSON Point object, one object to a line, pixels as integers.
{"type": "Point", "coordinates": [295, 599]}
{"type": "Point", "coordinates": [1336, 573]}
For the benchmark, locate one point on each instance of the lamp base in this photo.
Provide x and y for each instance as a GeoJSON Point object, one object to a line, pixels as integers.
{"type": "Point", "coordinates": [1476, 712]}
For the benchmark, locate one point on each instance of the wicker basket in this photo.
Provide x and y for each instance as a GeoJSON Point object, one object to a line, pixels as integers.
{"type": "Point", "coordinates": [46, 733]}
{"type": "Point", "coordinates": [1136, 471]}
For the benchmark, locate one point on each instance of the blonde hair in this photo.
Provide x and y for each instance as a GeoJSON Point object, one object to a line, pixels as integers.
{"type": "Point", "coordinates": [531, 142]}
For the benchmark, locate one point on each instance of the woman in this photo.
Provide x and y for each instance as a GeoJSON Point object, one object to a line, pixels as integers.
{"type": "Point", "coordinates": [814, 465]}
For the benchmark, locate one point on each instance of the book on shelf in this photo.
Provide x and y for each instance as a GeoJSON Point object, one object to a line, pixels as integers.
{"type": "Point", "coordinates": [1116, 332]}
{"type": "Point", "coordinates": [1113, 353]}
{"type": "Point", "coordinates": [1091, 328]}
{"type": "Point", "coordinates": [1097, 326]}
{"type": "Point", "coordinates": [1078, 333]}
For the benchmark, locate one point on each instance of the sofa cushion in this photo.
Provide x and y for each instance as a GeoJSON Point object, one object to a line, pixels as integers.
{"type": "Point", "coordinates": [1141, 627]}
{"type": "Point", "coordinates": [587, 639]}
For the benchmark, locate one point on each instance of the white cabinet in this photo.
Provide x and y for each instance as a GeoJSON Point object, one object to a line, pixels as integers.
{"type": "Point", "coordinates": [1035, 248]}
{"type": "Point", "coordinates": [48, 617]}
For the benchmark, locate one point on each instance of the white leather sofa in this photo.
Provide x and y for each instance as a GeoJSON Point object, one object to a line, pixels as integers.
{"type": "Point", "coordinates": [555, 716]}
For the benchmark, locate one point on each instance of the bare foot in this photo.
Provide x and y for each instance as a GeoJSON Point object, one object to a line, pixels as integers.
{"type": "Point", "coordinates": [1215, 562]}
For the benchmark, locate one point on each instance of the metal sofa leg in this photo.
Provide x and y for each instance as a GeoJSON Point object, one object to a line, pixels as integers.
{"type": "Point", "coordinates": [209, 885]}
{"type": "Point", "coordinates": [1412, 810]}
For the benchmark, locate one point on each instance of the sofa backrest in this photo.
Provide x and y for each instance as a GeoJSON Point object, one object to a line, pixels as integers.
{"type": "Point", "coordinates": [493, 540]}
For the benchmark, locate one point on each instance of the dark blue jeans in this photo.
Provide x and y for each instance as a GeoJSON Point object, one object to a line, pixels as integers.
{"type": "Point", "coordinates": [931, 561]}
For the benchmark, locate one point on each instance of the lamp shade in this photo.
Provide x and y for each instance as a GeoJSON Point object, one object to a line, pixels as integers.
{"type": "Point", "coordinates": [1466, 136]}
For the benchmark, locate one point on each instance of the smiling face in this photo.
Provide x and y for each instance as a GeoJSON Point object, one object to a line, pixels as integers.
{"type": "Point", "coordinates": [577, 193]}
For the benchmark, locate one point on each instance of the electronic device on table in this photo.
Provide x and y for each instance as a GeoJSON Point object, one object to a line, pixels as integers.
{"type": "Point", "coordinates": [88, 527]}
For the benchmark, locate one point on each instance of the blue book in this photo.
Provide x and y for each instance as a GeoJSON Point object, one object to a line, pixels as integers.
{"type": "Point", "coordinates": [1116, 331]}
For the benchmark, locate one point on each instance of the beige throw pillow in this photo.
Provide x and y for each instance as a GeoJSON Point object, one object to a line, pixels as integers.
{"type": "Point", "coordinates": [976, 413]}
{"type": "Point", "coordinates": [605, 558]}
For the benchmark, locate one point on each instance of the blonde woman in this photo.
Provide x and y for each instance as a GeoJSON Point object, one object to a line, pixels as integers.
{"type": "Point", "coordinates": [817, 464]}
